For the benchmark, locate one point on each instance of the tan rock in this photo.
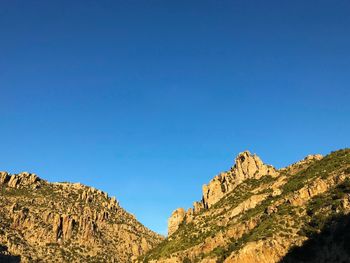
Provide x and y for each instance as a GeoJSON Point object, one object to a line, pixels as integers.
{"type": "Point", "coordinates": [189, 215]}
{"type": "Point", "coordinates": [176, 218]}
{"type": "Point", "coordinates": [214, 191]}
{"type": "Point", "coordinates": [247, 166]}
{"type": "Point", "coordinates": [49, 223]}
{"type": "Point", "coordinates": [4, 177]}
{"type": "Point", "coordinates": [304, 194]}
{"type": "Point", "coordinates": [20, 180]}
{"type": "Point", "coordinates": [259, 252]}
{"type": "Point", "coordinates": [250, 203]}
{"type": "Point", "coordinates": [197, 207]}
{"type": "Point", "coordinates": [68, 224]}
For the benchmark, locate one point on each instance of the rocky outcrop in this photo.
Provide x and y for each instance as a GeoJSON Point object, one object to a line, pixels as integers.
{"type": "Point", "coordinates": [20, 180]}
{"type": "Point", "coordinates": [197, 207]}
{"type": "Point", "coordinates": [215, 190]}
{"type": "Point", "coordinates": [260, 252]}
{"type": "Point", "coordinates": [62, 226]}
{"type": "Point", "coordinates": [317, 187]}
{"type": "Point", "coordinates": [250, 203]}
{"type": "Point", "coordinates": [64, 222]}
{"type": "Point", "coordinates": [254, 213]}
{"type": "Point", "coordinates": [247, 166]}
{"type": "Point", "coordinates": [177, 217]}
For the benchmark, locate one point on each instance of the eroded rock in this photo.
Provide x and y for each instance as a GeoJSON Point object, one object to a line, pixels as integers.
{"type": "Point", "coordinates": [177, 217]}
{"type": "Point", "coordinates": [247, 166]}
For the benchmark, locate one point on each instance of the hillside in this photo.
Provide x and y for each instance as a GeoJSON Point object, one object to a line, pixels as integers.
{"type": "Point", "coordinates": [65, 222]}
{"type": "Point", "coordinates": [251, 213]}
{"type": "Point", "coordinates": [256, 213]}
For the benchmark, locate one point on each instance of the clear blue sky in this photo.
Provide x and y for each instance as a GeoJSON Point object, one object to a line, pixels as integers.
{"type": "Point", "coordinates": [148, 100]}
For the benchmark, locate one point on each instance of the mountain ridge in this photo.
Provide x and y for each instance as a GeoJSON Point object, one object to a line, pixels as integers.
{"type": "Point", "coordinates": [43, 221]}
{"type": "Point", "coordinates": [250, 213]}
{"type": "Point", "coordinates": [248, 222]}
{"type": "Point", "coordinates": [246, 166]}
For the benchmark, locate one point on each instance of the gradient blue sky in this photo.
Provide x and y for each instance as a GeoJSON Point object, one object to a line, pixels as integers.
{"type": "Point", "coordinates": [148, 100]}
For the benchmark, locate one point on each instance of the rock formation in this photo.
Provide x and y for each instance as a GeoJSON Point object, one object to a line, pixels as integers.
{"type": "Point", "coordinates": [251, 213]}
{"type": "Point", "coordinates": [247, 166]}
{"type": "Point", "coordinates": [255, 213]}
{"type": "Point", "coordinates": [175, 220]}
{"type": "Point", "coordinates": [20, 180]}
{"type": "Point", "coordinates": [64, 222]}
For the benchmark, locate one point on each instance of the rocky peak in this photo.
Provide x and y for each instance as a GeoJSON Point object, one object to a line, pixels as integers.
{"type": "Point", "coordinates": [299, 214]}
{"type": "Point", "coordinates": [247, 166]}
{"type": "Point", "coordinates": [23, 179]}
{"type": "Point", "coordinates": [175, 220]}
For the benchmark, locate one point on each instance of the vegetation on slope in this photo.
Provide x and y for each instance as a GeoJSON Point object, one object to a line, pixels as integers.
{"type": "Point", "coordinates": [44, 222]}
{"type": "Point", "coordinates": [287, 221]}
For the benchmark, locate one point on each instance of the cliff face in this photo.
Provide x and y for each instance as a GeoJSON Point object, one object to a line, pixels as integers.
{"type": "Point", "coordinates": [247, 166]}
{"type": "Point", "coordinates": [251, 213]}
{"type": "Point", "coordinates": [256, 213]}
{"type": "Point", "coordinates": [64, 222]}
{"type": "Point", "coordinates": [177, 217]}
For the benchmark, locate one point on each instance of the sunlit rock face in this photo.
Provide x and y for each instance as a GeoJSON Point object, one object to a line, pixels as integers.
{"type": "Point", "coordinates": [256, 213]}
{"type": "Point", "coordinates": [247, 166]}
{"type": "Point", "coordinates": [175, 220]}
{"type": "Point", "coordinates": [65, 222]}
